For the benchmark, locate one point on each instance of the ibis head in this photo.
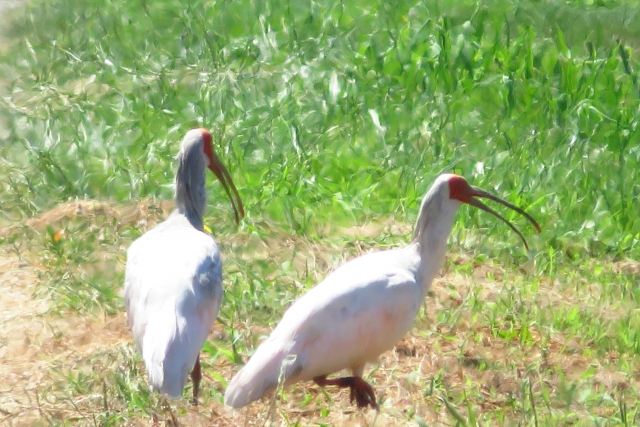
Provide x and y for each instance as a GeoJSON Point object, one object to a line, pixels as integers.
{"type": "Point", "coordinates": [445, 196]}
{"type": "Point", "coordinates": [196, 154]}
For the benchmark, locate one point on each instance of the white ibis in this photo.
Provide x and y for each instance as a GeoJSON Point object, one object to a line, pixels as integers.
{"type": "Point", "coordinates": [361, 309]}
{"type": "Point", "coordinates": [173, 279]}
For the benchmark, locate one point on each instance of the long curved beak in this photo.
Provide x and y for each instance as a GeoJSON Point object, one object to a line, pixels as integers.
{"type": "Point", "coordinates": [223, 176]}
{"type": "Point", "coordinates": [477, 192]}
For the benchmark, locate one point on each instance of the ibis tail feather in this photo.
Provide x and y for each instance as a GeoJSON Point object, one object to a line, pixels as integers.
{"type": "Point", "coordinates": [268, 366]}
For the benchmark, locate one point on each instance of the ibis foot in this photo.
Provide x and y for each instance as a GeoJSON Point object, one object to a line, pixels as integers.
{"type": "Point", "coordinates": [196, 376]}
{"type": "Point", "coordinates": [361, 391]}
{"type": "Point", "coordinates": [164, 403]}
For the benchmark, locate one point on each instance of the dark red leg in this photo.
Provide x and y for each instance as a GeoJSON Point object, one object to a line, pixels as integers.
{"type": "Point", "coordinates": [196, 376]}
{"type": "Point", "coordinates": [361, 391]}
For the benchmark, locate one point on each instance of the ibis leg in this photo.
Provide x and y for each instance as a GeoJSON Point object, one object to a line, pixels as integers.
{"type": "Point", "coordinates": [196, 376]}
{"type": "Point", "coordinates": [361, 391]}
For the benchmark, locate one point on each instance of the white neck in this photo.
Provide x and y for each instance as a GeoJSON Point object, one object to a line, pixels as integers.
{"type": "Point", "coordinates": [191, 196]}
{"type": "Point", "coordinates": [432, 231]}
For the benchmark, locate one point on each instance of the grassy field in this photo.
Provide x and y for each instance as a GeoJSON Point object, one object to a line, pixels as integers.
{"type": "Point", "coordinates": [333, 118]}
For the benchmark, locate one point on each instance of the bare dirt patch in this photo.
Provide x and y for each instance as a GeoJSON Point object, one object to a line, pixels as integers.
{"type": "Point", "coordinates": [140, 213]}
{"type": "Point", "coordinates": [21, 324]}
{"type": "Point", "coordinates": [36, 345]}
{"type": "Point", "coordinates": [37, 350]}
{"type": "Point", "coordinates": [33, 343]}
{"type": "Point", "coordinates": [64, 366]}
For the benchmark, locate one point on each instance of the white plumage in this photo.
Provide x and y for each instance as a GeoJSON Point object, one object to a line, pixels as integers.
{"type": "Point", "coordinates": [173, 278]}
{"type": "Point", "coordinates": [361, 309]}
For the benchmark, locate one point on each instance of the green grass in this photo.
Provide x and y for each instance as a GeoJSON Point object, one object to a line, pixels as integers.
{"type": "Point", "coordinates": [335, 114]}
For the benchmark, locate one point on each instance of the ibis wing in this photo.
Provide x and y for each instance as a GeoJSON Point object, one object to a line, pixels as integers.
{"type": "Point", "coordinates": [358, 312]}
